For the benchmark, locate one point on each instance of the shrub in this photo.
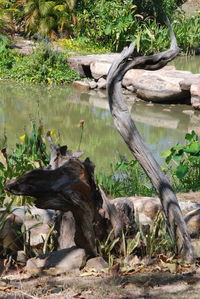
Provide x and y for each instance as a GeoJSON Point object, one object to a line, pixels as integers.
{"type": "Point", "coordinates": [43, 66]}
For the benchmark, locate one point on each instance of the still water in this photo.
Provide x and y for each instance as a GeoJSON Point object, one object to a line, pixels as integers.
{"type": "Point", "coordinates": [62, 107]}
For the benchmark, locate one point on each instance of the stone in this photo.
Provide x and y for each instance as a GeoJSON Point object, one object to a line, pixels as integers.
{"type": "Point", "coordinates": [125, 208]}
{"type": "Point", "coordinates": [149, 206]}
{"type": "Point", "coordinates": [82, 64]}
{"type": "Point", "coordinates": [99, 69]}
{"type": "Point", "coordinates": [188, 206]}
{"type": "Point", "coordinates": [187, 82]}
{"type": "Point", "coordinates": [29, 222]}
{"type": "Point", "coordinates": [36, 232]}
{"type": "Point", "coordinates": [61, 261]}
{"type": "Point", "coordinates": [97, 263]}
{"type": "Point", "coordinates": [196, 246]}
{"type": "Point", "coordinates": [195, 95]}
{"type": "Point", "coordinates": [157, 86]}
{"type": "Point", "coordinates": [10, 234]}
{"type": "Point", "coordinates": [192, 220]}
{"type": "Point", "coordinates": [21, 257]}
{"type": "Point", "coordinates": [92, 84]}
{"type": "Point", "coordinates": [102, 83]}
{"type": "Point", "coordinates": [83, 85]}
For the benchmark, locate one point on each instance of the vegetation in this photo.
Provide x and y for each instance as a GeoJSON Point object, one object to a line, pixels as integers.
{"type": "Point", "coordinates": [102, 25]}
{"type": "Point", "coordinates": [28, 154]}
{"type": "Point", "coordinates": [184, 163]}
{"type": "Point", "coordinates": [127, 178]}
{"type": "Point", "coordinates": [43, 66]}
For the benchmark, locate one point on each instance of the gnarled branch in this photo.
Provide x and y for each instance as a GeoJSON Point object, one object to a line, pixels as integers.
{"type": "Point", "coordinates": [126, 127]}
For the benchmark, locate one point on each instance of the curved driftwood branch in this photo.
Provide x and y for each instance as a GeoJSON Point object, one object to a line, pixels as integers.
{"type": "Point", "coordinates": [126, 127]}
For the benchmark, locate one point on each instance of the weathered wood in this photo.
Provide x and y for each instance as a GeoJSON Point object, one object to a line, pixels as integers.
{"type": "Point", "coordinates": [126, 127]}
{"type": "Point", "coordinates": [71, 188]}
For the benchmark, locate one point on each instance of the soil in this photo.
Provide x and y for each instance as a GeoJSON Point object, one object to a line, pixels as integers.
{"type": "Point", "coordinates": [191, 6]}
{"type": "Point", "coordinates": [150, 284]}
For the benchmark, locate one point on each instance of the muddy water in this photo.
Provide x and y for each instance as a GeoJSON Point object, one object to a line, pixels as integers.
{"type": "Point", "coordinates": [61, 108]}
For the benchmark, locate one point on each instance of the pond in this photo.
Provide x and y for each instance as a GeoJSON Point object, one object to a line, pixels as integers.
{"type": "Point", "coordinates": [62, 107]}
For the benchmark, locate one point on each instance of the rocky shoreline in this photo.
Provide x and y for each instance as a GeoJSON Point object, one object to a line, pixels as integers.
{"type": "Point", "coordinates": [167, 85]}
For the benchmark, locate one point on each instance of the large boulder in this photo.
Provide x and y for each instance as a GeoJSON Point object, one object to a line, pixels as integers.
{"type": "Point", "coordinates": [158, 86]}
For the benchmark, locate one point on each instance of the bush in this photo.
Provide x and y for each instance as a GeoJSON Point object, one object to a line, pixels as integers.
{"type": "Point", "coordinates": [43, 66]}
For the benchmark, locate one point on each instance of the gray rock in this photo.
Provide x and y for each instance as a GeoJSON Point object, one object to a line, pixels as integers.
{"type": "Point", "coordinates": [195, 95]}
{"type": "Point", "coordinates": [92, 84]}
{"type": "Point", "coordinates": [36, 232]}
{"type": "Point", "coordinates": [82, 64]}
{"type": "Point", "coordinates": [157, 86]}
{"type": "Point", "coordinates": [99, 69]}
{"type": "Point", "coordinates": [196, 246]}
{"type": "Point", "coordinates": [101, 84]}
{"type": "Point", "coordinates": [192, 220]}
{"type": "Point", "coordinates": [97, 263]}
{"type": "Point", "coordinates": [60, 261]}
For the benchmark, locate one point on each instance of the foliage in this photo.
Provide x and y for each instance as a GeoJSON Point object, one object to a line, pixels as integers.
{"type": "Point", "coordinates": [27, 155]}
{"type": "Point", "coordinates": [127, 178]}
{"type": "Point", "coordinates": [184, 163]}
{"type": "Point", "coordinates": [157, 240]}
{"type": "Point", "coordinates": [43, 66]}
{"type": "Point", "coordinates": [83, 45]}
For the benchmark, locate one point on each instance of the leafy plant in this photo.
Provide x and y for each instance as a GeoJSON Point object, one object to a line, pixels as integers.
{"type": "Point", "coordinates": [127, 178]}
{"type": "Point", "coordinates": [184, 163]}
{"type": "Point", "coordinates": [43, 66]}
{"type": "Point", "coordinates": [27, 155]}
{"type": "Point", "coordinates": [157, 240]}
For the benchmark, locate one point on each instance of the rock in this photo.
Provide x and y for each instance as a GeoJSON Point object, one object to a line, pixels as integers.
{"type": "Point", "coordinates": [149, 206]}
{"type": "Point", "coordinates": [82, 64]}
{"type": "Point", "coordinates": [84, 85]}
{"type": "Point", "coordinates": [10, 234]}
{"type": "Point", "coordinates": [101, 84]}
{"type": "Point", "coordinates": [60, 261]}
{"type": "Point", "coordinates": [97, 263]}
{"type": "Point", "coordinates": [99, 69]}
{"type": "Point", "coordinates": [92, 84]}
{"type": "Point", "coordinates": [196, 246]}
{"type": "Point", "coordinates": [188, 206]}
{"type": "Point", "coordinates": [125, 208]}
{"type": "Point", "coordinates": [21, 257]}
{"type": "Point", "coordinates": [157, 86]}
{"type": "Point", "coordinates": [195, 95]}
{"type": "Point", "coordinates": [29, 222]}
{"type": "Point", "coordinates": [187, 82]}
{"type": "Point", "coordinates": [192, 220]}
{"type": "Point", "coordinates": [36, 231]}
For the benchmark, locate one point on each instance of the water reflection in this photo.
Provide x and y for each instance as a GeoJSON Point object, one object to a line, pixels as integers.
{"type": "Point", "coordinates": [189, 63]}
{"type": "Point", "coordinates": [61, 108]}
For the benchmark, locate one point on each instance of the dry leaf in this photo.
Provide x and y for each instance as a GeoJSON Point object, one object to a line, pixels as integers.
{"type": "Point", "coordinates": [192, 282]}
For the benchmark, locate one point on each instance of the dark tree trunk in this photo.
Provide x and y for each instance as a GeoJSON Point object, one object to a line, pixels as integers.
{"type": "Point", "coordinates": [126, 127]}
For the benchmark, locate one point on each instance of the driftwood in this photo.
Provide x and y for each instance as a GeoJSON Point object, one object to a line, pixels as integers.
{"type": "Point", "coordinates": [126, 127]}
{"type": "Point", "coordinates": [69, 186]}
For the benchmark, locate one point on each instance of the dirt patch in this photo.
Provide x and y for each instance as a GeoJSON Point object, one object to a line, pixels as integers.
{"type": "Point", "coordinates": [191, 6]}
{"type": "Point", "coordinates": [189, 196]}
{"type": "Point", "coordinates": [152, 283]}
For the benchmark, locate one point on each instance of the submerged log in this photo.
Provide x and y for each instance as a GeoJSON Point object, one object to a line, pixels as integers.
{"type": "Point", "coordinates": [126, 127]}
